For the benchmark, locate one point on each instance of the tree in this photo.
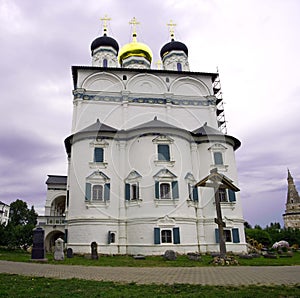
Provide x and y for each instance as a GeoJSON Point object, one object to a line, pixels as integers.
{"type": "Point", "coordinates": [18, 232]}
{"type": "Point", "coordinates": [259, 235]}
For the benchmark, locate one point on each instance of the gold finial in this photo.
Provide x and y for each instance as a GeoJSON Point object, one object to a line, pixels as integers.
{"type": "Point", "coordinates": [158, 64]}
{"type": "Point", "coordinates": [134, 22]}
{"type": "Point", "coordinates": [171, 26]}
{"type": "Point", "coordinates": [104, 23]}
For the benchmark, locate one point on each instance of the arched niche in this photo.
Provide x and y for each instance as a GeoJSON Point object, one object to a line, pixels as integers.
{"type": "Point", "coordinates": [103, 82]}
{"type": "Point", "coordinates": [146, 83]}
{"type": "Point", "coordinates": [189, 86]}
{"type": "Point", "coordinates": [58, 206]}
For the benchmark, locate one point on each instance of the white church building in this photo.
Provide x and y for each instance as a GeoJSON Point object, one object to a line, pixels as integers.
{"type": "Point", "coordinates": [141, 139]}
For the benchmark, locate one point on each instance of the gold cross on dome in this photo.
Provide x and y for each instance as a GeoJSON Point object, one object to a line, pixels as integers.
{"type": "Point", "coordinates": [104, 22]}
{"type": "Point", "coordinates": [171, 26]}
{"type": "Point", "coordinates": [134, 22]}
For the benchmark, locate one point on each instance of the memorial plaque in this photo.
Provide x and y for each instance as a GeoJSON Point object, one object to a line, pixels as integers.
{"type": "Point", "coordinates": [38, 247]}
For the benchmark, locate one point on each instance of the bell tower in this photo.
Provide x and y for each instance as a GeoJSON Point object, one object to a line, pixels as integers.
{"type": "Point", "coordinates": [292, 212]}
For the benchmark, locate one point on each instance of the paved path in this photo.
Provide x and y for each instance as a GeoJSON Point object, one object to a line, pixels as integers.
{"type": "Point", "coordinates": [239, 275]}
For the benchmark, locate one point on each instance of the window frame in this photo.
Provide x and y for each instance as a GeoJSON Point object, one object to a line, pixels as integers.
{"type": "Point", "coordinates": [164, 140]}
{"type": "Point", "coordinates": [96, 145]}
{"type": "Point", "coordinates": [161, 154]}
{"type": "Point", "coordinates": [174, 235]}
{"type": "Point", "coordinates": [99, 198]}
{"type": "Point", "coordinates": [97, 178]}
{"type": "Point", "coordinates": [231, 235]}
{"type": "Point", "coordinates": [173, 190]}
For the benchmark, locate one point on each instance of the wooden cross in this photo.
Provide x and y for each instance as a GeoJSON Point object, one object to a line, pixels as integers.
{"type": "Point", "coordinates": [104, 23]}
{"type": "Point", "coordinates": [171, 26]}
{"type": "Point", "coordinates": [218, 181]}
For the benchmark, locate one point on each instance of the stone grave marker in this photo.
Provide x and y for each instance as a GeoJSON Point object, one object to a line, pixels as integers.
{"type": "Point", "coordinates": [69, 253]}
{"type": "Point", "coordinates": [94, 247]}
{"type": "Point", "coordinates": [170, 255]}
{"type": "Point", "coordinates": [38, 248]}
{"type": "Point", "coordinates": [59, 250]}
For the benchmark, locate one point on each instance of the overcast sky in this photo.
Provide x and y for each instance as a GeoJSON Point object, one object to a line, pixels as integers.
{"type": "Point", "coordinates": [255, 45]}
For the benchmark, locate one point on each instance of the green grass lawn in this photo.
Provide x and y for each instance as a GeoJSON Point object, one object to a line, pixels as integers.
{"type": "Point", "coordinates": [21, 286]}
{"type": "Point", "coordinates": [150, 261]}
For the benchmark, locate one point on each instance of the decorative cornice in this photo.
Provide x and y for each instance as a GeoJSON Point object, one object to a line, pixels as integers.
{"type": "Point", "coordinates": [206, 101]}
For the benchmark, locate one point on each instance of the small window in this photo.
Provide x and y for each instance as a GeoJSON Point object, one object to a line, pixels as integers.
{"type": "Point", "coordinates": [166, 236]}
{"type": "Point", "coordinates": [193, 193]}
{"type": "Point", "coordinates": [163, 152]}
{"type": "Point", "coordinates": [104, 62]}
{"type": "Point", "coordinates": [124, 77]}
{"type": "Point", "coordinates": [131, 191]}
{"type": "Point", "coordinates": [218, 158]}
{"type": "Point", "coordinates": [167, 80]}
{"type": "Point", "coordinates": [227, 235]}
{"type": "Point", "coordinates": [222, 195]}
{"type": "Point", "coordinates": [111, 237]}
{"type": "Point", "coordinates": [165, 191]}
{"type": "Point", "coordinates": [134, 189]}
{"type": "Point", "coordinates": [97, 193]}
{"type": "Point", "coordinates": [179, 66]}
{"type": "Point", "coordinates": [98, 155]}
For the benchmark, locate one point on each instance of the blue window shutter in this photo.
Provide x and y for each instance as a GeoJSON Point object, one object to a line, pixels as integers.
{"type": "Point", "coordinates": [235, 235]}
{"type": "Point", "coordinates": [88, 187]}
{"type": "Point", "coordinates": [98, 155]}
{"type": "Point", "coordinates": [231, 195]}
{"type": "Point", "coordinates": [156, 190]}
{"type": "Point", "coordinates": [106, 191]}
{"type": "Point", "coordinates": [156, 235]}
{"type": "Point", "coordinates": [195, 194]}
{"type": "Point", "coordinates": [218, 158]}
{"type": "Point", "coordinates": [176, 236]}
{"type": "Point", "coordinates": [175, 192]}
{"type": "Point", "coordinates": [217, 235]}
{"type": "Point", "coordinates": [127, 191]}
{"type": "Point", "coordinates": [163, 152]}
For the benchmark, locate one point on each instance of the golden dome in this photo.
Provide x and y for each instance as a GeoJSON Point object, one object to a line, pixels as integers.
{"type": "Point", "coordinates": [135, 49]}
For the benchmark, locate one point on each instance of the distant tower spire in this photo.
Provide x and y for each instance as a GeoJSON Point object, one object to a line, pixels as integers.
{"type": "Point", "coordinates": [171, 26]}
{"type": "Point", "coordinates": [292, 195]}
{"type": "Point", "coordinates": [104, 24]}
{"type": "Point", "coordinates": [292, 212]}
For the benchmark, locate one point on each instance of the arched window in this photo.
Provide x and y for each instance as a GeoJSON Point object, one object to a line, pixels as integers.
{"type": "Point", "coordinates": [104, 62]}
{"type": "Point", "coordinates": [179, 66]}
{"type": "Point", "coordinates": [97, 193]}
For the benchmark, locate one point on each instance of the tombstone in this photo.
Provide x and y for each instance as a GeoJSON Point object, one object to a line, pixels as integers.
{"type": "Point", "coordinates": [94, 247]}
{"type": "Point", "coordinates": [170, 255]}
{"type": "Point", "coordinates": [69, 253]}
{"type": "Point", "coordinates": [59, 250]}
{"type": "Point", "coordinates": [38, 248]}
{"type": "Point", "coordinates": [194, 256]}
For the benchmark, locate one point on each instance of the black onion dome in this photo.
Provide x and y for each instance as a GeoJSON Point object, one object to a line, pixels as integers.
{"type": "Point", "coordinates": [173, 46]}
{"type": "Point", "coordinates": [104, 41]}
